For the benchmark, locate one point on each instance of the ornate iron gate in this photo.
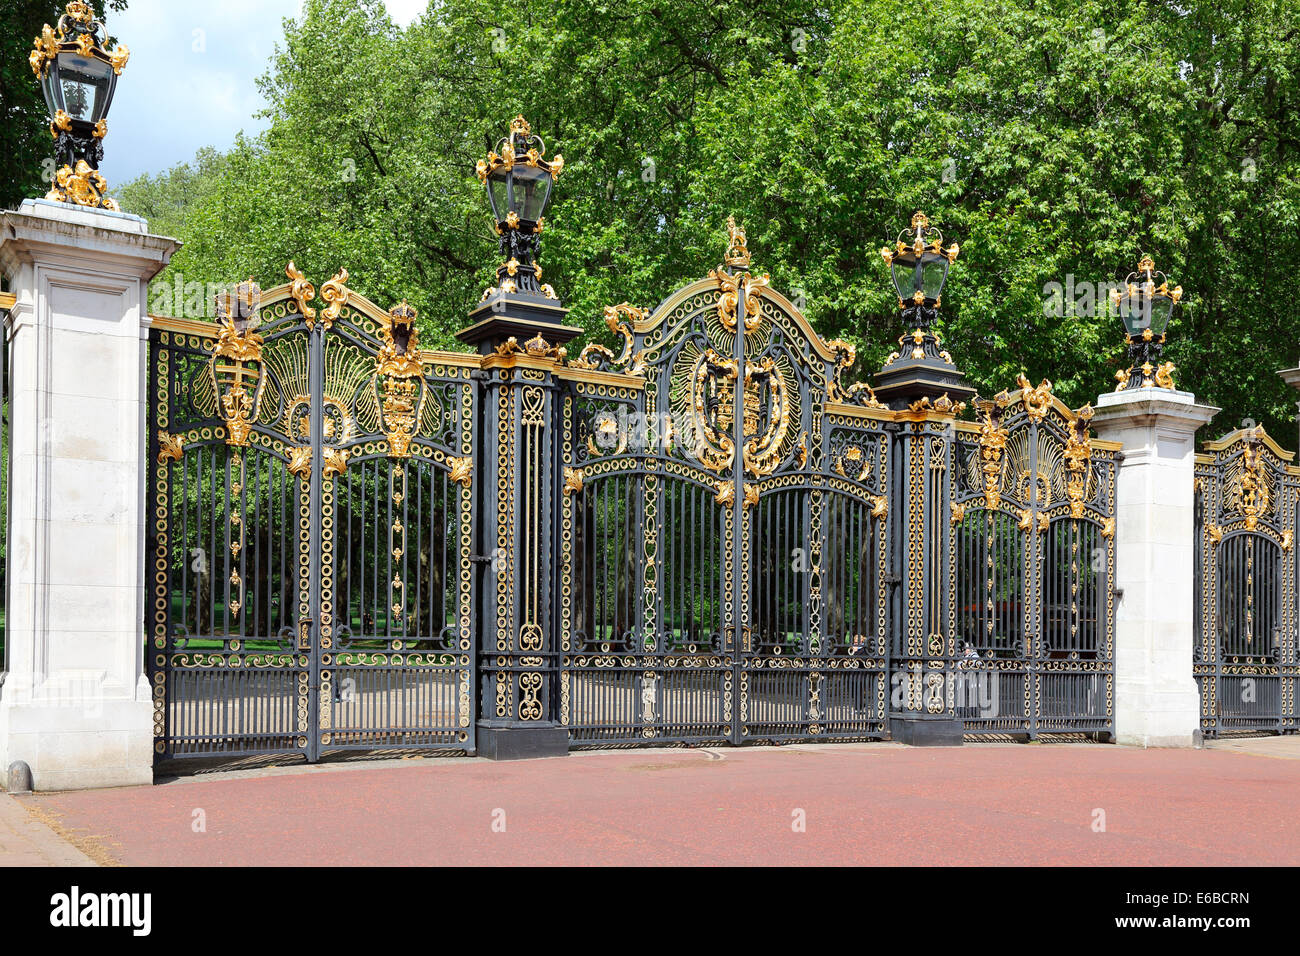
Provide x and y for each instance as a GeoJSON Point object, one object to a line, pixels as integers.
{"type": "Point", "coordinates": [723, 527]}
{"type": "Point", "coordinates": [1034, 519]}
{"type": "Point", "coordinates": [311, 531]}
{"type": "Point", "coordinates": [1246, 662]}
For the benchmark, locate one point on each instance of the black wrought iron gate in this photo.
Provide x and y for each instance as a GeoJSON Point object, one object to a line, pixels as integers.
{"type": "Point", "coordinates": [750, 550]}
{"type": "Point", "coordinates": [710, 536]}
{"type": "Point", "coordinates": [1033, 510]}
{"type": "Point", "coordinates": [1246, 661]}
{"type": "Point", "coordinates": [311, 531]}
{"type": "Point", "coordinates": [724, 556]}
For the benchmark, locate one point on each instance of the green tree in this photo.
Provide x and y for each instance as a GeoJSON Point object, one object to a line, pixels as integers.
{"type": "Point", "coordinates": [1055, 141]}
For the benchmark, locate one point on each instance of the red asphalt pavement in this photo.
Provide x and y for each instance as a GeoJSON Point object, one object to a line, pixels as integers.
{"type": "Point", "coordinates": [863, 804]}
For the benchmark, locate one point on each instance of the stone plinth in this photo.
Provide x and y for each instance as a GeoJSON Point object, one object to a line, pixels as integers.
{"type": "Point", "coordinates": [75, 704]}
{"type": "Point", "coordinates": [1156, 700]}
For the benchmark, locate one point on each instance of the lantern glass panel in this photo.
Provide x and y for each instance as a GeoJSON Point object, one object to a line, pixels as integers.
{"type": "Point", "coordinates": [906, 281]}
{"type": "Point", "coordinates": [85, 86]}
{"type": "Point", "coordinates": [1135, 310]}
{"type": "Point", "coordinates": [934, 271]}
{"type": "Point", "coordinates": [499, 193]}
{"type": "Point", "coordinates": [1162, 307]}
{"type": "Point", "coordinates": [530, 187]}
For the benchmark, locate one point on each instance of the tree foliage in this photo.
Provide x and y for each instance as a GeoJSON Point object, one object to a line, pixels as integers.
{"type": "Point", "coordinates": [1055, 141]}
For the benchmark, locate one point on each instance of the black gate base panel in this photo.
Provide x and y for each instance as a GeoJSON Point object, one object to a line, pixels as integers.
{"type": "Point", "coordinates": [521, 743]}
{"type": "Point", "coordinates": [925, 730]}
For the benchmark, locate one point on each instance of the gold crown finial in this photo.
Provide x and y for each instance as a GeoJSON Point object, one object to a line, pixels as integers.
{"type": "Point", "coordinates": [520, 125]}
{"type": "Point", "coordinates": [402, 313]}
{"type": "Point", "coordinates": [737, 248]}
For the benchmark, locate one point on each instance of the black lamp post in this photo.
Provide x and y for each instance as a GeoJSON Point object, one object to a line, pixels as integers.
{"type": "Point", "coordinates": [1146, 304]}
{"type": "Point", "coordinates": [518, 179]}
{"type": "Point", "coordinates": [920, 369]}
{"type": "Point", "coordinates": [78, 77]}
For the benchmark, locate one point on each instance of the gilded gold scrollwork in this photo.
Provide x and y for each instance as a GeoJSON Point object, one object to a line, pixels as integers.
{"type": "Point", "coordinates": [462, 470]}
{"type": "Point", "coordinates": [336, 293]}
{"type": "Point", "coordinates": [992, 444]}
{"type": "Point", "coordinates": [1078, 460]}
{"type": "Point", "coordinates": [302, 292]}
{"type": "Point", "coordinates": [237, 375]}
{"type": "Point", "coordinates": [572, 480]}
{"type": "Point", "coordinates": [335, 462]}
{"type": "Point", "coordinates": [170, 446]}
{"type": "Point", "coordinates": [1037, 400]}
{"type": "Point", "coordinates": [300, 461]}
{"type": "Point", "coordinates": [724, 492]}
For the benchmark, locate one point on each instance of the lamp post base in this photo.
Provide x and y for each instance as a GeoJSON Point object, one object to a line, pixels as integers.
{"type": "Point", "coordinates": [926, 730]}
{"type": "Point", "coordinates": [497, 742]}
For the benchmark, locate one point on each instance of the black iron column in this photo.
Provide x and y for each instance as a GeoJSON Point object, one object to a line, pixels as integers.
{"type": "Point", "coordinates": [924, 387]}
{"type": "Point", "coordinates": [520, 339]}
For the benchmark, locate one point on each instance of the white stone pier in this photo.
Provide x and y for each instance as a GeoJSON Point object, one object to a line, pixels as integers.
{"type": "Point", "coordinates": [1156, 700]}
{"type": "Point", "coordinates": [75, 704]}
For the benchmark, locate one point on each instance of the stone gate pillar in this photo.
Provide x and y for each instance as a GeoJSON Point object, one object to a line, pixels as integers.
{"type": "Point", "coordinates": [1156, 700]}
{"type": "Point", "coordinates": [75, 704]}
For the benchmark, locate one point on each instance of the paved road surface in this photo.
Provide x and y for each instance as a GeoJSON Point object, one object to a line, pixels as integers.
{"type": "Point", "coordinates": [860, 803]}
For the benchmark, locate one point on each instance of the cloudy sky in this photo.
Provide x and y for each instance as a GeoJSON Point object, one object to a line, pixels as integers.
{"type": "Point", "coordinates": [192, 77]}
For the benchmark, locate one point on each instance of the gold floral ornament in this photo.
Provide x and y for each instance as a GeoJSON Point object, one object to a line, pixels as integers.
{"type": "Point", "coordinates": [82, 186]}
{"type": "Point", "coordinates": [336, 293]}
{"type": "Point", "coordinates": [992, 447]}
{"type": "Point", "coordinates": [735, 285]}
{"type": "Point", "coordinates": [398, 381]}
{"type": "Point", "coordinates": [302, 292]}
{"type": "Point", "coordinates": [462, 470]}
{"type": "Point", "coordinates": [597, 356]}
{"type": "Point", "coordinates": [1037, 400]}
{"type": "Point", "coordinates": [1078, 460]}
{"type": "Point", "coordinates": [236, 369]}
{"type": "Point", "coordinates": [77, 74]}
{"type": "Point", "coordinates": [170, 447]}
